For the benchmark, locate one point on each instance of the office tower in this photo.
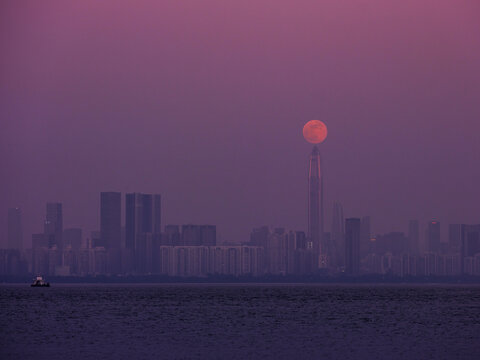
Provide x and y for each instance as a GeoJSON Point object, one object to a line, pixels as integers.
{"type": "Point", "coordinates": [15, 233]}
{"type": "Point", "coordinates": [72, 238]}
{"type": "Point", "coordinates": [53, 227]}
{"type": "Point", "coordinates": [455, 238]}
{"type": "Point", "coordinates": [414, 236]}
{"type": "Point", "coordinates": [329, 252]}
{"type": "Point", "coordinates": [301, 240]}
{"type": "Point", "coordinates": [133, 215]}
{"type": "Point", "coordinates": [338, 233]}
{"type": "Point", "coordinates": [110, 219]}
{"type": "Point", "coordinates": [365, 232]}
{"type": "Point", "coordinates": [276, 253]}
{"type": "Point", "coordinates": [142, 215]}
{"type": "Point", "coordinates": [315, 203]}
{"type": "Point", "coordinates": [470, 245]}
{"type": "Point", "coordinates": [352, 246]}
{"type": "Point", "coordinates": [433, 236]}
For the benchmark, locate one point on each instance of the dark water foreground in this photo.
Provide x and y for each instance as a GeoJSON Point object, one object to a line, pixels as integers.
{"type": "Point", "coordinates": [240, 322]}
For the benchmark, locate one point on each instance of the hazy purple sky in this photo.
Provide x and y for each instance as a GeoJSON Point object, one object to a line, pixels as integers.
{"type": "Point", "coordinates": [204, 102]}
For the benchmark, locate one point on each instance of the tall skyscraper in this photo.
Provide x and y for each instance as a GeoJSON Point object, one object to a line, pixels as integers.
{"type": "Point", "coordinates": [53, 227]}
{"type": "Point", "coordinates": [315, 203]}
{"type": "Point", "coordinates": [15, 233]}
{"type": "Point", "coordinates": [433, 236]}
{"type": "Point", "coordinates": [414, 236]}
{"type": "Point", "coordinates": [142, 215]}
{"type": "Point", "coordinates": [110, 219]}
{"type": "Point", "coordinates": [352, 246]}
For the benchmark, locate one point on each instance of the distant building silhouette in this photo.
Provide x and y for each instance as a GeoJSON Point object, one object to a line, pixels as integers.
{"type": "Point", "coordinates": [53, 227]}
{"type": "Point", "coordinates": [455, 238]}
{"type": "Point", "coordinates": [315, 204]}
{"type": "Point", "coordinates": [15, 231]}
{"type": "Point", "coordinates": [433, 236]}
{"type": "Point", "coordinates": [142, 215]}
{"type": "Point", "coordinates": [142, 228]}
{"type": "Point", "coordinates": [191, 235]}
{"type": "Point", "coordinates": [352, 246]}
{"type": "Point", "coordinates": [258, 236]}
{"type": "Point", "coordinates": [470, 246]}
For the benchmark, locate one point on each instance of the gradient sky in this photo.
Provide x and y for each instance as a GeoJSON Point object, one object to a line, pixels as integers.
{"type": "Point", "coordinates": [204, 102]}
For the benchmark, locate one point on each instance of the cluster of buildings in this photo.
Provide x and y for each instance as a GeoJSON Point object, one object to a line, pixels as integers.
{"type": "Point", "coordinates": [138, 248]}
{"type": "Point", "coordinates": [143, 246]}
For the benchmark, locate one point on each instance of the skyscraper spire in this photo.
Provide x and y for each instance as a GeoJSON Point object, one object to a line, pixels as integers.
{"type": "Point", "coordinates": [315, 203]}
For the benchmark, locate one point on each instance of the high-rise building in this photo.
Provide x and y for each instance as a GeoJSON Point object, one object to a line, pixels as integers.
{"type": "Point", "coordinates": [15, 233]}
{"type": "Point", "coordinates": [352, 246]}
{"type": "Point", "coordinates": [414, 236]}
{"type": "Point", "coordinates": [338, 233]}
{"type": "Point", "coordinates": [110, 219]}
{"type": "Point", "coordinates": [315, 203]}
{"type": "Point", "coordinates": [433, 236]}
{"type": "Point", "coordinates": [455, 238]}
{"type": "Point", "coordinates": [142, 215]}
{"type": "Point", "coordinates": [53, 227]}
{"type": "Point", "coordinates": [470, 245]}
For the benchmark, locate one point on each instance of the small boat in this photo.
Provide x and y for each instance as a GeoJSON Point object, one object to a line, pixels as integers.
{"type": "Point", "coordinates": [39, 282]}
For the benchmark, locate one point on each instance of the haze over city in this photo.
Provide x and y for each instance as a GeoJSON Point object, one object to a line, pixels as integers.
{"type": "Point", "coordinates": [205, 104]}
{"type": "Point", "coordinates": [251, 179]}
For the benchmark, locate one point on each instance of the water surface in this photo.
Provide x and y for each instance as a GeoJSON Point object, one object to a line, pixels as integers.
{"type": "Point", "coordinates": [239, 322]}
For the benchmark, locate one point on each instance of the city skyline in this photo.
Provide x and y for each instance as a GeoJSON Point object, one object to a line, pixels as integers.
{"type": "Point", "coordinates": [255, 179]}
{"type": "Point", "coordinates": [219, 130]}
{"type": "Point", "coordinates": [143, 247]}
{"type": "Point", "coordinates": [53, 228]}
{"type": "Point", "coordinates": [193, 250]}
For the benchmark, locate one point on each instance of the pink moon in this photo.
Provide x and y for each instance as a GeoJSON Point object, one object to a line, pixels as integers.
{"type": "Point", "coordinates": [315, 131]}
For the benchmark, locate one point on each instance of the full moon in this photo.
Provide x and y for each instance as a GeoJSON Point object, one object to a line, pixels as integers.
{"type": "Point", "coordinates": [315, 131]}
